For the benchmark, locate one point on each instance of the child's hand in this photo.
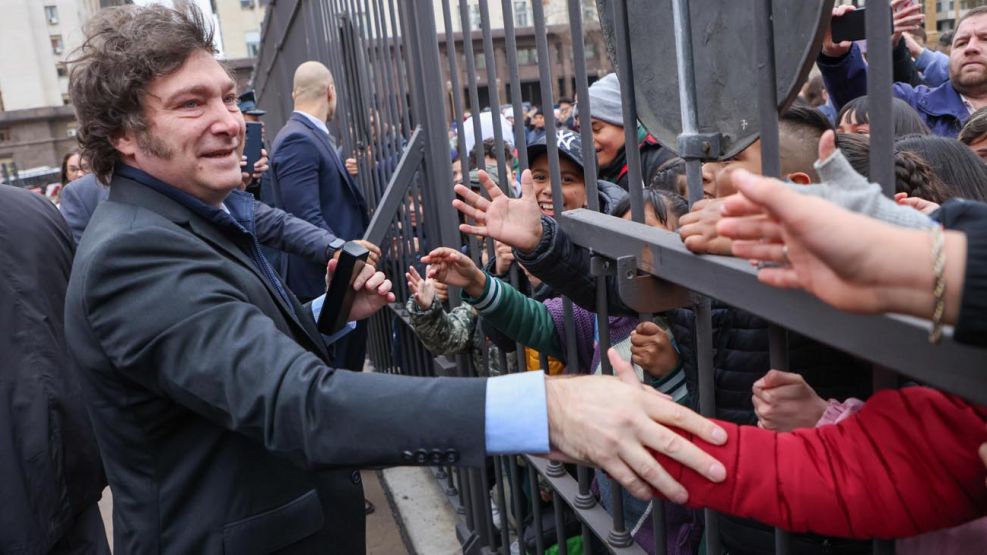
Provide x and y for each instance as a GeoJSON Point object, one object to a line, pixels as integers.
{"type": "Point", "coordinates": [422, 289]}
{"type": "Point", "coordinates": [924, 206]}
{"type": "Point", "coordinates": [516, 222]}
{"type": "Point", "coordinates": [505, 256]}
{"type": "Point", "coordinates": [452, 267]}
{"type": "Point", "coordinates": [652, 350]}
{"type": "Point", "coordinates": [784, 402]}
{"type": "Point", "coordinates": [441, 290]}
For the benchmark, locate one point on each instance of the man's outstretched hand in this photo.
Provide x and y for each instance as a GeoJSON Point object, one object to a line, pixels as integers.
{"type": "Point", "coordinates": [615, 422]}
{"type": "Point", "coordinates": [516, 222]}
{"type": "Point", "coordinates": [374, 291]}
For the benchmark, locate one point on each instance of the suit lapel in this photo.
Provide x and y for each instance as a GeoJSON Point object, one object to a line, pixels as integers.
{"type": "Point", "coordinates": [129, 192]}
{"type": "Point", "coordinates": [294, 313]}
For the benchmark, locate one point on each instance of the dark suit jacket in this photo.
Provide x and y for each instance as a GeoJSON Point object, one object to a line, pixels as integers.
{"type": "Point", "coordinates": [79, 200]}
{"type": "Point", "coordinates": [49, 465]}
{"type": "Point", "coordinates": [222, 428]}
{"type": "Point", "coordinates": [309, 181]}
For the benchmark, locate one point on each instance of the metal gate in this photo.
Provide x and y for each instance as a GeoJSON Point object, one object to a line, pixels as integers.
{"type": "Point", "coordinates": [398, 93]}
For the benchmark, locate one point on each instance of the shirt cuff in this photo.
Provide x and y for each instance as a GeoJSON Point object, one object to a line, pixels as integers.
{"type": "Point", "coordinates": [516, 414]}
{"type": "Point", "coordinates": [330, 339]}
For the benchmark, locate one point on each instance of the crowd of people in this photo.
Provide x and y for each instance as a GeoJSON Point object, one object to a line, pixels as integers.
{"type": "Point", "coordinates": [167, 343]}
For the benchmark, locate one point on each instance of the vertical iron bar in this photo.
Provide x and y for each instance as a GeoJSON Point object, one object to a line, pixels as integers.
{"type": "Point", "coordinates": [396, 26]}
{"type": "Point", "coordinates": [879, 95]}
{"type": "Point", "coordinates": [560, 539]}
{"type": "Point", "coordinates": [535, 510]}
{"type": "Point", "coordinates": [704, 323]}
{"type": "Point", "coordinates": [582, 93]}
{"type": "Point", "coordinates": [474, 92]}
{"type": "Point", "coordinates": [505, 538]}
{"type": "Point", "coordinates": [510, 40]}
{"type": "Point", "coordinates": [456, 88]}
{"type": "Point", "coordinates": [625, 73]}
{"type": "Point", "coordinates": [770, 167]}
{"type": "Point", "coordinates": [493, 94]}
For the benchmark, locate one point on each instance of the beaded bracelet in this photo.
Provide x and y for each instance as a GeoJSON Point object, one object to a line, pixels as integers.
{"type": "Point", "coordinates": [939, 284]}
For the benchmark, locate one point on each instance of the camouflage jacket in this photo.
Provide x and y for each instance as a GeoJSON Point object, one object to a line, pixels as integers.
{"type": "Point", "coordinates": [456, 332]}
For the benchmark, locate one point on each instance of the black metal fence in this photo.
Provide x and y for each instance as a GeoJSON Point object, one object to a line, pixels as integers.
{"type": "Point", "coordinates": [393, 120]}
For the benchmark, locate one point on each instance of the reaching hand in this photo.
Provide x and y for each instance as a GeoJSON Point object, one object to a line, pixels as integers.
{"type": "Point", "coordinates": [504, 257]}
{"type": "Point", "coordinates": [441, 291]}
{"type": "Point", "coordinates": [830, 48]}
{"type": "Point", "coordinates": [374, 291]}
{"type": "Point", "coordinates": [454, 268]}
{"type": "Point", "coordinates": [820, 247]}
{"type": "Point", "coordinates": [920, 204]}
{"type": "Point", "coordinates": [907, 19]}
{"type": "Point", "coordinates": [616, 423]}
{"type": "Point", "coordinates": [784, 402]}
{"type": "Point", "coordinates": [698, 229]}
{"type": "Point", "coordinates": [516, 222]}
{"type": "Point", "coordinates": [422, 289]}
{"type": "Point", "coordinates": [351, 166]}
{"type": "Point", "coordinates": [914, 48]}
{"type": "Point", "coordinates": [652, 350]}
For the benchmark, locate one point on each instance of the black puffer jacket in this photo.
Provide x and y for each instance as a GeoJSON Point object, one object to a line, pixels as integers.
{"type": "Point", "coordinates": [653, 155]}
{"type": "Point", "coordinates": [50, 470]}
{"type": "Point", "coordinates": [740, 342]}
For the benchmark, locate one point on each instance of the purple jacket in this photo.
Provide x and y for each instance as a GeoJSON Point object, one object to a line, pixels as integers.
{"type": "Point", "coordinates": [941, 107]}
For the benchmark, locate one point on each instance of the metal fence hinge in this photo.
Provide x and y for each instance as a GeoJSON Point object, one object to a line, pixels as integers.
{"type": "Point", "coordinates": [703, 146]}
{"type": "Point", "coordinates": [600, 266]}
{"type": "Point", "coordinates": [646, 293]}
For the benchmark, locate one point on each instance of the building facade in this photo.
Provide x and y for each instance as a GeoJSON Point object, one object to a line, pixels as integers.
{"type": "Point", "coordinates": [37, 127]}
{"type": "Point", "coordinates": [239, 23]}
{"type": "Point", "coordinates": [559, 48]}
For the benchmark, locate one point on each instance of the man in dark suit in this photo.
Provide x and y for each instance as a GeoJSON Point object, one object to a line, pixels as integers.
{"type": "Point", "coordinates": [50, 472]}
{"type": "Point", "coordinates": [309, 180]}
{"type": "Point", "coordinates": [222, 427]}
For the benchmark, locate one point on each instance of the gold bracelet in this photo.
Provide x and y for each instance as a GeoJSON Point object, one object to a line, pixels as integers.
{"type": "Point", "coordinates": [939, 284]}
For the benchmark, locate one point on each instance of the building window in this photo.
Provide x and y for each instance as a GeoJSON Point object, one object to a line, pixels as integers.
{"type": "Point", "coordinates": [589, 51]}
{"type": "Point", "coordinates": [527, 56]}
{"type": "Point", "coordinates": [71, 129]}
{"type": "Point", "coordinates": [57, 46]}
{"type": "Point", "coordinates": [479, 59]}
{"type": "Point", "coordinates": [589, 11]}
{"type": "Point", "coordinates": [474, 16]}
{"type": "Point", "coordinates": [61, 70]}
{"type": "Point", "coordinates": [252, 38]}
{"type": "Point", "coordinates": [5, 135]}
{"type": "Point", "coordinates": [51, 14]}
{"type": "Point", "coordinates": [247, 4]}
{"type": "Point", "coordinates": [521, 18]}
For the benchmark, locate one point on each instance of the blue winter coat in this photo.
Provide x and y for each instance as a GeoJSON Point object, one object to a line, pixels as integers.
{"type": "Point", "coordinates": [941, 107]}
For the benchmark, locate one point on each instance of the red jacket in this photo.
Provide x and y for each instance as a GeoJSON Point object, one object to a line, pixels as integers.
{"type": "Point", "coordinates": [905, 464]}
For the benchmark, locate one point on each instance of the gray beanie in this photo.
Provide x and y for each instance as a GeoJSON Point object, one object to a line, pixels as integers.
{"type": "Point", "coordinates": [604, 100]}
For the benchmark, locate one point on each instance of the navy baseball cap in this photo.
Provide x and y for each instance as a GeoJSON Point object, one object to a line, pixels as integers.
{"type": "Point", "coordinates": [570, 146]}
{"type": "Point", "coordinates": [248, 104]}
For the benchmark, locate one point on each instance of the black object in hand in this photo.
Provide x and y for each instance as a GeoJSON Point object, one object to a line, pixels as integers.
{"type": "Point", "coordinates": [339, 297]}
